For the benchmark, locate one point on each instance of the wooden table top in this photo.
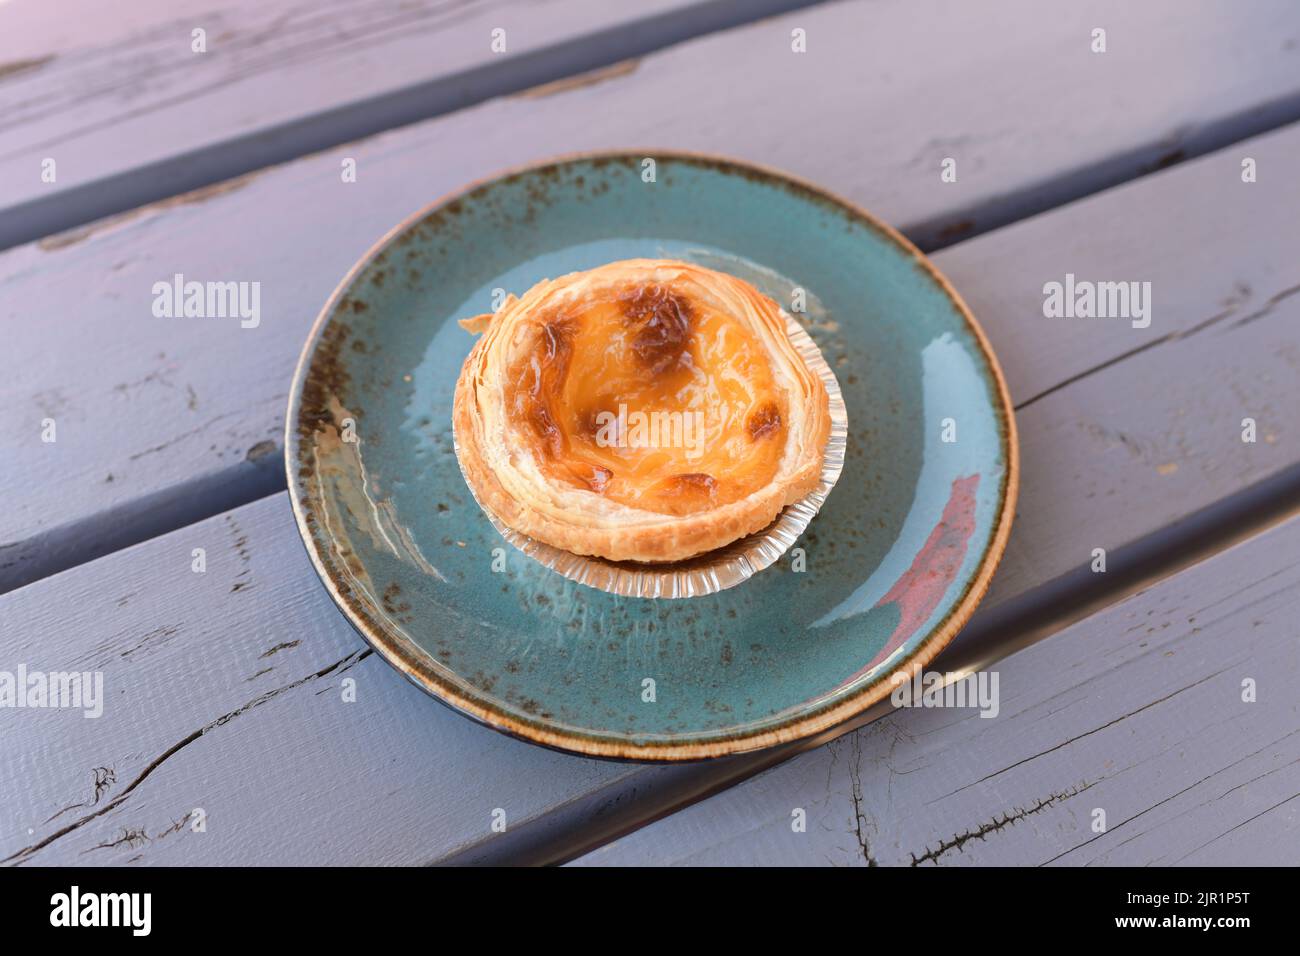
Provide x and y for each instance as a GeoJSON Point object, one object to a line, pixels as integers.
{"type": "Point", "coordinates": [1159, 693]}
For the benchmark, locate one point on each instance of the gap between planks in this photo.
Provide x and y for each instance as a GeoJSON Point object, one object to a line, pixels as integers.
{"type": "Point", "coordinates": [958, 787]}
{"type": "Point", "coordinates": [539, 71]}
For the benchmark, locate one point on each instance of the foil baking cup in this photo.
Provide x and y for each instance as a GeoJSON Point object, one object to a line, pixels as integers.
{"type": "Point", "coordinates": [724, 567]}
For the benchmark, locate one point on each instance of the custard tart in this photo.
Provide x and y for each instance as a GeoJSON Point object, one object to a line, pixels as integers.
{"type": "Point", "coordinates": [647, 410]}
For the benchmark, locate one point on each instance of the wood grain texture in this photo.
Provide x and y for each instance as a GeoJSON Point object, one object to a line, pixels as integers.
{"type": "Point", "coordinates": [1137, 711]}
{"type": "Point", "coordinates": [224, 692]}
{"type": "Point", "coordinates": [163, 422]}
{"type": "Point", "coordinates": [131, 113]}
{"type": "Point", "coordinates": [1125, 431]}
{"type": "Point", "coordinates": [1173, 389]}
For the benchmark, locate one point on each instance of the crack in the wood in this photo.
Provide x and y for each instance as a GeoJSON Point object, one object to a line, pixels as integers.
{"type": "Point", "coordinates": [1096, 368]}
{"type": "Point", "coordinates": [104, 778]}
{"type": "Point", "coordinates": [286, 645]}
{"type": "Point", "coordinates": [1237, 827]}
{"type": "Point", "coordinates": [1266, 773]}
{"type": "Point", "coordinates": [21, 856]}
{"type": "Point", "coordinates": [1007, 819]}
{"type": "Point", "coordinates": [1169, 337]}
{"type": "Point", "coordinates": [174, 827]}
{"type": "Point", "coordinates": [244, 58]}
{"type": "Point", "coordinates": [1086, 733]}
{"type": "Point", "coordinates": [1172, 796]}
{"type": "Point", "coordinates": [162, 631]}
{"type": "Point", "coordinates": [130, 838]}
{"type": "Point", "coordinates": [1273, 300]}
{"type": "Point", "coordinates": [855, 792]}
{"type": "Point", "coordinates": [181, 437]}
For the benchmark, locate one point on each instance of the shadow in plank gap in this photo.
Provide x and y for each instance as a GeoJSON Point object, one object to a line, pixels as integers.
{"type": "Point", "coordinates": [136, 520]}
{"type": "Point", "coordinates": [1151, 157]}
{"type": "Point", "coordinates": [151, 115]}
{"type": "Point", "coordinates": [1160, 731]}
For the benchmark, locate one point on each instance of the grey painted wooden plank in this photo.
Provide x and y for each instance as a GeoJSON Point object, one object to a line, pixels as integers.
{"type": "Point", "coordinates": [164, 422]}
{"type": "Point", "coordinates": [131, 113]}
{"type": "Point", "coordinates": [1142, 444]}
{"type": "Point", "coordinates": [1171, 397]}
{"type": "Point", "coordinates": [224, 693]}
{"type": "Point", "coordinates": [1137, 711]}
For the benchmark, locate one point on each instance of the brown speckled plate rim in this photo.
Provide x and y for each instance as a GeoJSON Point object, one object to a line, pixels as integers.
{"type": "Point", "coordinates": [414, 663]}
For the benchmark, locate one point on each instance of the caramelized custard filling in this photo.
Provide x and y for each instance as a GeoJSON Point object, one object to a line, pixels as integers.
{"type": "Point", "coordinates": [649, 398]}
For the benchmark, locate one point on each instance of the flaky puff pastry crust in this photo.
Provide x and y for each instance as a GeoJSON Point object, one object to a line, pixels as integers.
{"type": "Point", "coordinates": [514, 442]}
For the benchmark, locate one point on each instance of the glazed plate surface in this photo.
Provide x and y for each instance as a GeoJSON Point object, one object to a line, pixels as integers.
{"type": "Point", "coordinates": [884, 576]}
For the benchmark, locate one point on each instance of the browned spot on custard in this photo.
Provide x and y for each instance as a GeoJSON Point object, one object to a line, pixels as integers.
{"type": "Point", "coordinates": [665, 318]}
{"type": "Point", "coordinates": [763, 421]}
{"type": "Point", "coordinates": [694, 482]}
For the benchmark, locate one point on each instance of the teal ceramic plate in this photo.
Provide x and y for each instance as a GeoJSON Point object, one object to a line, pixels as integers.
{"type": "Point", "coordinates": [885, 575]}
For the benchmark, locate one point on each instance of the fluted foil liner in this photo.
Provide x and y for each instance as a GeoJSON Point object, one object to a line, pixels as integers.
{"type": "Point", "coordinates": [725, 567]}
